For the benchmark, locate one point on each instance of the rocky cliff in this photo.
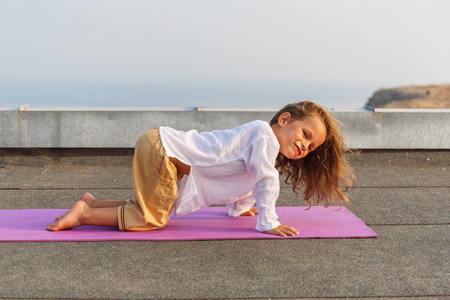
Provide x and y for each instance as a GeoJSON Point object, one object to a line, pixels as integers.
{"type": "Point", "coordinates": [414, 96]}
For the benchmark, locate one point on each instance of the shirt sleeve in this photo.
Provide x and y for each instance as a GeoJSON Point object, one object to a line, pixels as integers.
{"type": "Point", "coordinates": [260, 159]}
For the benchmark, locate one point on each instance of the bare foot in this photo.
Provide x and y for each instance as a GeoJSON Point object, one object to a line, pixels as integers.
{"type": "Point", "coordinates": [251, 212]}
{"type": "Point", "coordinates": [86, 198]}
{"type": "Point", "coordinates": [59, 218]}
{"type": "Point", "coordinates": [73, 218]}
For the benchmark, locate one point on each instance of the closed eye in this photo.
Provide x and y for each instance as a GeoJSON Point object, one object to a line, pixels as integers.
{"type": "Point", "coordinates": [305, 134]}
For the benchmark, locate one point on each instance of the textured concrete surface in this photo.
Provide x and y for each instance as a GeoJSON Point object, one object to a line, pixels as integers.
{"type": "Point", "coordinates": [404, 196]}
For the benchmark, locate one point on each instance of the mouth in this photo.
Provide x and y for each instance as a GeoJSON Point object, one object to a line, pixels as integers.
{"type": "Point", "coordinates": [299, 151]}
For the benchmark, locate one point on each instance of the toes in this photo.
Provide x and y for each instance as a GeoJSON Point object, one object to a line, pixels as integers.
{"type": "Point", "coordinates": [59, 218]}
{"type": "Point", "coordinates": [51, 227]}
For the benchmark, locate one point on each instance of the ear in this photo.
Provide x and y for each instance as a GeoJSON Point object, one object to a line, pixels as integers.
{"type": "Point", "coordinates": [284, 119]}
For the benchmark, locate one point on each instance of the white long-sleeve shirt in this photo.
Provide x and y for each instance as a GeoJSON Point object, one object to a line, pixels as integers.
{"type": "Point", "coordinates": [233, 167]}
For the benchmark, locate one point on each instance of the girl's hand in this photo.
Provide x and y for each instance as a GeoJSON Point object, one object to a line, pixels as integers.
{"type": "Point", "coordinates": [283, 230]}
{"type": "Point", "coordinates": [251, 212]}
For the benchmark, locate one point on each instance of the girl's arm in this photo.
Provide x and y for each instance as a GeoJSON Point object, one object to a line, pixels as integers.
{"type": "Point", "coordinates": [261, 162]}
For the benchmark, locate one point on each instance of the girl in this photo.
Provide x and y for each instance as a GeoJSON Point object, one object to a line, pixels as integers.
{"type": "Point", "coordinates": [236, 167]}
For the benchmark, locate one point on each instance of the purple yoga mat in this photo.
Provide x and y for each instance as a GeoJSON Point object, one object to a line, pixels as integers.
{"type": "Point", "coordinates": [210, 223]}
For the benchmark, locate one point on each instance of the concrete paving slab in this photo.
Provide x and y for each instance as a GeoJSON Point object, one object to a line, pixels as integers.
{"type": "Point", "coordinates": [412, 205]}
{"type": "Point", "coordinates": [56, 198]}
{"type": "Point", "coordinates": [85, 176]}
{"type": "Point", "coordinates": [53, 176]}
{"type": "Point", "coordinates": [388, 176]}
{"type": "Point", "coordinates": [401, 158]}
{"type": "Point", "coordinates": [15, 177]}
{"type": "Point", "coordinates": [401, 168]}
{"type": "Point", "coordinates": [49, 167]}
{"type": "Point", "coordinates": [404, 261]}
{"type": "Point", "coordinates": [396, 169]}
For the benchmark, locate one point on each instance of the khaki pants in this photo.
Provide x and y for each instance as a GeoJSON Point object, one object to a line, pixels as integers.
{"type": "Point", "coordinates": [155, 178]}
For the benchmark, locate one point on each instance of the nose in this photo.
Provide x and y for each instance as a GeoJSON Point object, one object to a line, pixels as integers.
{"type": "Point", "coordinates": [305, 145]}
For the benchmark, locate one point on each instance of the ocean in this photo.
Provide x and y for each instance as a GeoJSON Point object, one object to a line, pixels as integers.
{"type": "Point", "coordinates": [209, 95]}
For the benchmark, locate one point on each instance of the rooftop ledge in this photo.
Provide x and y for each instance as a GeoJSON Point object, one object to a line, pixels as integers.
{"type": "Point", "coordinates": [119, 127]}
{"type": "Point", "coordinates": [195, 108]}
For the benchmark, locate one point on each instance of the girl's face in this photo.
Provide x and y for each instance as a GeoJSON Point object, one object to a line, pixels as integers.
{"type": "Point", "coordinates": [300, 137]}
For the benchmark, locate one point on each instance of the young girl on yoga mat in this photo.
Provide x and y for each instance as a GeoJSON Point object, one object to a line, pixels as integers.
{"type": "Point", "coordinates": [237, 167]}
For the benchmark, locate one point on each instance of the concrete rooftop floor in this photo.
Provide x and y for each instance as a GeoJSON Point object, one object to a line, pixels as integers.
{"type": "Point", "coordinates": [404, 196]}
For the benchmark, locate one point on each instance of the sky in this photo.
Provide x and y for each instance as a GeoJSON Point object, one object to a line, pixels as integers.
{"type": "Point", "coordinates": [214, 53]}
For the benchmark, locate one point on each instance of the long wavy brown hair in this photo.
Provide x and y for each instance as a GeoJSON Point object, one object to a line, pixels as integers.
{"type": "Point", "coordinates": [323, 171]}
